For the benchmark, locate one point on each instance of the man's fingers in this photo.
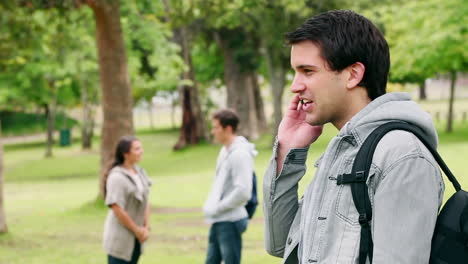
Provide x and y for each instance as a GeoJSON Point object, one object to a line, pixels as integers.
{"type": "Point", "coordinates": [294, 102]}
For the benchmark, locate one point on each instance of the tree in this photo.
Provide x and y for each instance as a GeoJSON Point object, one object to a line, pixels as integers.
{"type": "Point", "coordinates": [4, 35]}
{"type": "Point", "coordinates": [240, 76]}
{"type": "Point", "coordinates": [251, 32]}
{"type": "Point", "coordinates": [37, 74]}
{"type": "Point", "coordinates": [193, 129]}
{"type": "Point", "coordinates": [154, 60]}
{"type": "Point", "coordinates": [115, 84]}
{"type": "Point", "coordinates": [440, 45]}
{"type": "Point", "coordinates": [56, 48]}
{"type": "Point", "coordinates": [272, 19]}
{"type": "Point", "coordinates": [209, 70]}
{"type": "Point", "coordinates": [239, 47]}
{"type": "Point", "coordinates": [82, 59]}
{"type": "Point", "coordinates": [3, 225]}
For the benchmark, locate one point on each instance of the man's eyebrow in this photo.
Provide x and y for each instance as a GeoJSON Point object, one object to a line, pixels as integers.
{"type": "Point", "coordinates": [302, 66]}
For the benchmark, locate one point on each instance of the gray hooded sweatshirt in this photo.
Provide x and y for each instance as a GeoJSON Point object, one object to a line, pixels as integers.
{"type": "Point", "coordinates": [405, 189]}
{"type": "Point", "coordinates": [232, 186]}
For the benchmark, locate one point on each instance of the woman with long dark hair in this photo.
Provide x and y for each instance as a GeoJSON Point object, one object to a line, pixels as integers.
{"type": "Point", "coordinates": [127, 190]}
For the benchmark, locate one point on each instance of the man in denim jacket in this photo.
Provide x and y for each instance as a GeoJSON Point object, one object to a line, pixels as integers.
{"type": "Point", "coordinates": [341, 63]}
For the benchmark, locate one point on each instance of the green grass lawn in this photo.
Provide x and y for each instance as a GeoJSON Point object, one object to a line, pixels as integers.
{"type": "Point", "coordinates": [52, 217]}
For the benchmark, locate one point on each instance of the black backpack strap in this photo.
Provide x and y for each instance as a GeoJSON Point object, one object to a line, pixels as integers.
{"type": "Point", "coordinates": [360, 173]}
{"type": "Point", "coordinates": [397, 125]}
{"type": "Point", "coordinates": [464, 223]}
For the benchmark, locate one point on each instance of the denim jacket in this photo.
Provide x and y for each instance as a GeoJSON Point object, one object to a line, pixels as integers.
{"type": "Point", "coordinates": [405, 188]}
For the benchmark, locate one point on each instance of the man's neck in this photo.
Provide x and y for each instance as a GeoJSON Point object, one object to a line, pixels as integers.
{"type": "Point", "coordinates": [354, 106]}
{"type": "Point", "coordinates": [229, 140]}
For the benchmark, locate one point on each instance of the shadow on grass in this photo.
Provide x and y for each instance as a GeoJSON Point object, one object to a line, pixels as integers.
{"type": "Point", "coordinates": [166, 130]}
{"type": "Point", "coordinates": [77, 140]}
{"type": "Point", "coordinates": [54, 178]}
{"type": "Point", "coordinates": [14, 241]}
{"type": "Point", "coordinates": [38, 144]}
{"type": "Point", "coordinates": [95, 205]}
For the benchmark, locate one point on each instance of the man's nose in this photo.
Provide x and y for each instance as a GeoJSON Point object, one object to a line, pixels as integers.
{"type": "Point", "coordinates": [297, 85]}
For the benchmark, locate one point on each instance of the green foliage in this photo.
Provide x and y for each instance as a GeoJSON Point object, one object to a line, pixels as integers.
{"type": "Point", "coordinates": [207, 61]}
{"type": "Point", "coordinates": [154, 62]}
{"type": "Point", "coordinates": [19, 123]}
{"type": "Point", "coordinates": [426, 38]}
{"type": "Point", "coordinates": [44, 68]}
{"type": "Point", "coordinates": [254, 28]}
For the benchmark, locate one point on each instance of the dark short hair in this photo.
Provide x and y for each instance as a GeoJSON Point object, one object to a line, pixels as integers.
{"type": "Point", "coordinates": [344, 38]}
{"type": "Point", "coordinates": [227, 117]}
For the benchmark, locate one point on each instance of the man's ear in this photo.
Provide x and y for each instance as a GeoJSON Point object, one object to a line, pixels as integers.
{"type": "Point", "coordinates": [356, 73]}
{"type": "Point", "coordinates": [229, 129]}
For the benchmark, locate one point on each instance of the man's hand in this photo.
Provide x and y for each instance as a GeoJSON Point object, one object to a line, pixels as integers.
{"type": "Point", "coordinates": [294, 131]}
{"type": "Point", "coordinates": [209, 210]}
{"type": "Point", "coordinates": [142, 234]}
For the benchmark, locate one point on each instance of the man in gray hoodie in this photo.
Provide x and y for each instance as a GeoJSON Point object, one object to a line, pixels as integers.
{"type": "Point", "coordinates": [341, 63]}
{"type": "Point", "coordinates": [224, 207]}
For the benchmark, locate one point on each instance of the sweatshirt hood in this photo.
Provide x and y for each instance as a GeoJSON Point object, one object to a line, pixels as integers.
{"type": "Point", "coordinates": [386, 108]}
{"type": "Point", "coordinates": [241, 142]}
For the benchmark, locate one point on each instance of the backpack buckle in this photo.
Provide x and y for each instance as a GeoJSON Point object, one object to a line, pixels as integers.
{"type": "Point", "coordinates": [359, 176]}
{"type": "Point", "coordinates": [363, 219]}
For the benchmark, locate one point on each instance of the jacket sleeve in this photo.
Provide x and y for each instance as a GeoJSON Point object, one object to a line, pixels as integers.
{"type": "Point", "coordinates": [406, 204]}
{"type": "Point", "coordinates": [116, 190]}
{"type": "Point", "coordinates": [242, 173]}
{"type": "Point", "coordinates": [280, 198]}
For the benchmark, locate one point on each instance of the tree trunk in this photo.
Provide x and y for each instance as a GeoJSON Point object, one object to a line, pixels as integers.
{"type": "Point", "coordinates": [87, 130]}
{"type": "Point", "coordinates": [193, 128]}
{"type": "Point", "coordinates": [453, 80]}
{"type": "Point", "coordinates": [115, 84]}
{"type": "Point", "coordinates": [50, 130]}
{"type": "Point", "coordinates": [422, 91]}
{"type": "Point", "coordinates": [251, 110]}
{"type": "Point", "coordinates": [87, 126]}
{"type": "Point", "coordinates": [259, 106]}
{"type": "Point", "coordinates": [50, 115]}
{"type": "Point", "coordinates": [173, 110]}
{"type": "Point", "coordinates": [240, 90]}
{"type": "Point", "coordinates": [3, 225]}
{"type": "Point", "coordinates": [277, 75]}
{"type": "Point", "coordinates": [50, 109]}
{"type": "Point", "coordinates": [150, 113]}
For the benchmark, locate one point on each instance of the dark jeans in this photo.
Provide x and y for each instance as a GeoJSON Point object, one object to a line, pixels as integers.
{"type": "Point", "coordinates": [225, 242]}
{"type": "Point", "coordinates": [135, 256]}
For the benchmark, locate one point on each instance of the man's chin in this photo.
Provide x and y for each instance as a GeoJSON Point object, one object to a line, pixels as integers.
{"type": "Point", "coordinates": [313, 120]}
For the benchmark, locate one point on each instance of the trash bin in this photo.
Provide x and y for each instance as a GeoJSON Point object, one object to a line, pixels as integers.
{"type": "Point", "coordinates": [65, 137]}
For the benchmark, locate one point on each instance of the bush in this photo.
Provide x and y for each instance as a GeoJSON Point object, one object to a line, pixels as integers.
{"type": "Point", "coordinates": [20, 123]}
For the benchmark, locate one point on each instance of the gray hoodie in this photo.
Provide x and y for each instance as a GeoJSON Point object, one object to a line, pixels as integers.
{"type": "Point", "coordinates": [405, 188]}
{"type": "Point", "coordinates": [232, 186]}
